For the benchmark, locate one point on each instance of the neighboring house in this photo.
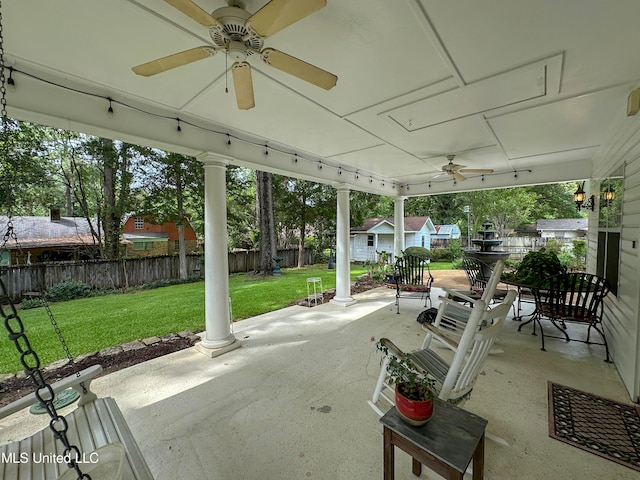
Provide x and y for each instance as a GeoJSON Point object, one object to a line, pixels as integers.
{"type": "Point", "coordinates": [563, 229]}
{"type": "Point", "coordinates": [446, 232]}
{"type": "Point", "coordinates": [144, 238]}
{"type": "Point", "coordinates": [377, 235]}
{"type": "Point", "coordinates": [47, 239]}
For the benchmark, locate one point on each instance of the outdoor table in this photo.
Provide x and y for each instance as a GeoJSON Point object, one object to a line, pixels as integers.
{"type": "Point", "coordinates": [446, 443]}
{"type": "Point", "coordinates": [522, 286]}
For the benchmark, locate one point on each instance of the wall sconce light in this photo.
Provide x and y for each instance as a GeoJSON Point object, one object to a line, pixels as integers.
{"type": "Point", "coordinates": [609, 194]}
{"type": "Point", "coordinates": [579, 197]}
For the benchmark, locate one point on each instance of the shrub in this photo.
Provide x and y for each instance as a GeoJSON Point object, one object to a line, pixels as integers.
{"type": "Point", "coordinates": [440, 254]}
{"type": "Point", "coordinates": [68, 290]}
{"type": "Point", "coordinates": [28, 303]}
{"type": "Point", "coordinates": [419, 252]}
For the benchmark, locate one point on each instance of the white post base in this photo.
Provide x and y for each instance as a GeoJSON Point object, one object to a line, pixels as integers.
{"type": "Point", "coordinates": [343, 302]}
{"type": "Point", "coordinates": [216, 352]}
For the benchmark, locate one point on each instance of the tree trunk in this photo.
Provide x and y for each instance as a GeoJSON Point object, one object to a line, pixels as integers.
{"type": "Point", "coordinates": [303, 228]}
{"type": "Point", "coordinates": [264, 192]}
{"type": "Point", "coordinates": [182, 247]}
{"type": "Point", "coordinates": [111, 221]}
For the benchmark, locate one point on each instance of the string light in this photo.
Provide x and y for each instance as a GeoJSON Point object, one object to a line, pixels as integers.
{"type": "Point", "coordinates": [11, 82]}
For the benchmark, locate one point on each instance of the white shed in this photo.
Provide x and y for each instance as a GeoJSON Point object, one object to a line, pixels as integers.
{"type": "Point", "coordinates": [377, 235]}
{"type": "Point", "coordinates": [447, 232]}
{"type": "Point", "coordinates": [564, 229]}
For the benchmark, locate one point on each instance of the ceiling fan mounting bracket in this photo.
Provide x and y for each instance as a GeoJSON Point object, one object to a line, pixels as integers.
{"type": "Point", "coordinates": [234, 29]}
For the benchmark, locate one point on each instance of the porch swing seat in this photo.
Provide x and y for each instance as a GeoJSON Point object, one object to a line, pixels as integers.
{"type": "Point", "coordinates": [95, 423]}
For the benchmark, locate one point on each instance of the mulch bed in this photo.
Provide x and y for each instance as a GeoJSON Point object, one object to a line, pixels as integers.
{"type": "Point", "coordinates": [18, 386]}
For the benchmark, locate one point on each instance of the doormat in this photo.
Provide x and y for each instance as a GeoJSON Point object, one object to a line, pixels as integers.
{"type": "Point", "coordinates": [595, 424]}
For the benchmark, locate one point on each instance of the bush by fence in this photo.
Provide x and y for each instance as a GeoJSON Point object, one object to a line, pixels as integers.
{"type": "Point", "coordinates": [123, 273]}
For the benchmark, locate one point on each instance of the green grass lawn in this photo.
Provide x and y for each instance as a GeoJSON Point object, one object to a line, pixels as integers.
{"type": "Point", "coordinates": [91, 324]}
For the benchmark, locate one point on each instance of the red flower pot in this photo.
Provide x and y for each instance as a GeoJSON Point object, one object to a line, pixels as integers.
{"type": "Point", "coordinates": [414, 412]}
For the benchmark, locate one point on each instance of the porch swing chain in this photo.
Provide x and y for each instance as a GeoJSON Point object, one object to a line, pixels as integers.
{"type": "Point", "coordinates": [14, 326]}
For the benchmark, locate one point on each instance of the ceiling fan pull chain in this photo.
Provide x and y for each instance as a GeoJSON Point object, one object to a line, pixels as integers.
{"type": "Point", "coordinates": [226, 73]}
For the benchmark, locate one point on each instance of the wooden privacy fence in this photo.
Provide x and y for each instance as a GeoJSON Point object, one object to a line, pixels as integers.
{"type": "Point", "coordinates": [116, 274]}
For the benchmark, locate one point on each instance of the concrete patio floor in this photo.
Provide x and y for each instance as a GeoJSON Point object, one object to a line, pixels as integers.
{"type": "Point", "coordinates": [292, 402]}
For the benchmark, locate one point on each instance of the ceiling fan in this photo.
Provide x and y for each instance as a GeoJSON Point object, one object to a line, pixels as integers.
{"type": "Point", "coordinates": [456, 170]}
{"type": "Point", "coordinates": [241, 35]}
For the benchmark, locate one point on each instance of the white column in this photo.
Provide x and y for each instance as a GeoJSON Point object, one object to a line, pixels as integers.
{"type": "Point", "coordinates": [217, 338]}
{"type": "Point", "coordinates": [343, 281]}
{"type": "Point", "coordinates": [398, 230]}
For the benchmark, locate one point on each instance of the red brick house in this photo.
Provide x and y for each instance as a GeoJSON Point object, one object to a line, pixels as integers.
{"type": "Point", "coordinates": [144, 238]}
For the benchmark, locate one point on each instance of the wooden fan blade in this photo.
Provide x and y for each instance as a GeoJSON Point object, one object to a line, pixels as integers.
{"type": "Point", "coordinates": [194, 12]}
{"type": "Point", "coordinates": [299, 68]}
{"type": "Point", "coordinates": [279, 14]}
{"type": "Point", "coordinates": [243, 85]}
{"type": "Point", "coordinates": [458, 177]}
{"type": "Point", "coordinates": [172, 61]}
{"type": "Point", "coordinates": [476, 170]}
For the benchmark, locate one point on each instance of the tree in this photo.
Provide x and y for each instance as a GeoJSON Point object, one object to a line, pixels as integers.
{"type": "Point", "coordinates": [242, 226]}
{"type": "Point", "coordinates": [27, 185]}
{"type": "Point", "coordinates": [171, 187]}
{"type": "Point", "coordinates": [265, 214]}
{"type": "Point", "coordinates": [368, 205]}
{"type": "Point", "coordinates": [303, 207]}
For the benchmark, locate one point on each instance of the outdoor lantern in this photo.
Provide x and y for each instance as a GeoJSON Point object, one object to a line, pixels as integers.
{"type": "Point", "coordinates": [609, 194]}
{"type": "Point", "coordinates": [579, 196]}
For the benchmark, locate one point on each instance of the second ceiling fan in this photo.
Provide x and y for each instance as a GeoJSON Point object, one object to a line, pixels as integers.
{"type": "Point", "coordinates": [241, 35]}
{"type": "Point", "coordinates": [456, 171]}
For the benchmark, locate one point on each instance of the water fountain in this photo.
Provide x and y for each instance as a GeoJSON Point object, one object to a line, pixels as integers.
{"type": "Point", "coordinates": [486, 254]}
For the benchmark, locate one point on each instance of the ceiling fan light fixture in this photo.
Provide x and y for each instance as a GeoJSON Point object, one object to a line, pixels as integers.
{"type": "Point", "coordinates": [237, 51]}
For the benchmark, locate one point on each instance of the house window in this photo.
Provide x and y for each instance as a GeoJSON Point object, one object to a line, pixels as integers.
{"type": "Point", "coordinates": [610, 229]}
{"type": "Point", "coordinates": [138, 223]}
{"type": "Point", "coordinates": [369, 240]}
{"type": "Point", "coordinates": [143, 246]}
{"type": "Point", "coordinates": [423, 241]}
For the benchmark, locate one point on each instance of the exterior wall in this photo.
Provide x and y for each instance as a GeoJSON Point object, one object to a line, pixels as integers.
{"type": "Point", "coordinates": [414, 239]}
{"type": "Point", "coordinates": [622, 311]}
{"type": "Point", "coordinates": [167, 227]}
{"type": "Point", "coordinates": [190, 246]}
{"type": "Point", "coordinates": [383, 241]}
{"type": "Point", "coordinates": [560, 234]}
{"type": "Point", "coordinates": [359, 250]}
{"type": "Point", "coordinates": [159, 248]}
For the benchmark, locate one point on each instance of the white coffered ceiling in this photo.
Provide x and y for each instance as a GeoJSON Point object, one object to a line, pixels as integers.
{"type": "Point", "coordinates": [531, 89]}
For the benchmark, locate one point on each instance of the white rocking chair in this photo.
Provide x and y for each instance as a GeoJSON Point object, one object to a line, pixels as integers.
{"type": "Point", "coordinates": [453, 311]}
{"type": "Point", "coordinates": [455, 380]}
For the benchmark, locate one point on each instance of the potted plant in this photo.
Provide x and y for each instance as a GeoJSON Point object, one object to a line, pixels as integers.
{"type": "Point", "coordinates": [413, 390]}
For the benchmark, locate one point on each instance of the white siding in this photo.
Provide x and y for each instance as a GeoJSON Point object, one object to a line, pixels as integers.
{"type": "Point", "coordinates": [621, 312]}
